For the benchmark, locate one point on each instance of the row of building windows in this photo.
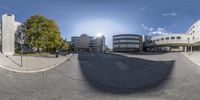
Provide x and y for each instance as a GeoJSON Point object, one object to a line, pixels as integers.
{"type": "Point", "coordinates": [167, 38]}
{"type": "Point", "coordinates": [119, 37]}
{"type": "Point", "coordinates": [126, 46]}
{"type": "Point", "coordinates": [118, 41]}
{"type": "Point", "coordinates": [191, 30]}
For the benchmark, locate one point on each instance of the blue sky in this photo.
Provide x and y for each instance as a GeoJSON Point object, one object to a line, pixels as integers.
{"type": "Point", "coordinates": [109, 17]}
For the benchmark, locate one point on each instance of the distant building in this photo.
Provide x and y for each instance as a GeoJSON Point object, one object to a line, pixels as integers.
{"type": "Point", "coordinates": [146, 39]}
{"type": "Point", "coordinates": [99, 44]}
{"type": "Point", "coordinates": [8, 29]}
{"type": "Point", "coordinates": [91, 43]}
{"type": "Point", "coordinates": [81, 43]}
{"type": "Point", "coordinates": [88, 43]}
{"type": "Point", "coordinates": [127, 43]}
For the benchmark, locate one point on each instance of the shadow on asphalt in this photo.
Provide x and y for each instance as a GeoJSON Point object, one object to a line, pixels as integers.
{"type": "Point", "coordinates": [13, 61]}
{"type": "Point", "coordinates": [119, 74]}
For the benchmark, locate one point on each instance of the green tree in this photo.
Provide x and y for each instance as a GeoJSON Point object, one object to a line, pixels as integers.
{"type": "Point", "coordinates": [41, 32]}
{"type": "Point", "coordinates": [65, 46]}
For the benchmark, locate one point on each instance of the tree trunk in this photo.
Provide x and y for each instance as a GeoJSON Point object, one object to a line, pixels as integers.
{"type": "Point", "coordinates": [38, 50]}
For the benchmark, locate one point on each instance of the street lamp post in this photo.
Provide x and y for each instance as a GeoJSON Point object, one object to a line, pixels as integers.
{"type": "Point", "coordinates": [188, 46]}
{"type": "Point", "coordinates": [21, 43]}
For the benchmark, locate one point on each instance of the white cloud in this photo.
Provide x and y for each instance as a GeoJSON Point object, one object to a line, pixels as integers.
{"type": "Point", "coordinates": [170, 14]}
{"type": "Point", "coordinates": [143, 8]}
{"type": "Point", "coordinates": [152, 31]}
{"type": "Point", "coordinates": [159, 31]}
{"type": "Point", "coordinates": [146, 28]}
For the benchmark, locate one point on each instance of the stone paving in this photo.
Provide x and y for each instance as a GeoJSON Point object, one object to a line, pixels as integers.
{"type": "Point", "coordinates": [193, 56]}
{"type": "Point", "coordinates": [30, 63]}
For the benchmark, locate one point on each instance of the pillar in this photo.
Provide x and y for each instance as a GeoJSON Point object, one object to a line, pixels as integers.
{"type": "Point", "coordinates": [8, 34]}
{"type": "Point", "coordinates": [185, 48]}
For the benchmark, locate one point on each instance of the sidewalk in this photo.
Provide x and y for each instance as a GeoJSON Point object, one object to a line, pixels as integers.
{"type": "Point", "coordinates": [193, 56]}
{"type": "Point", "coordinates": [30, 64]}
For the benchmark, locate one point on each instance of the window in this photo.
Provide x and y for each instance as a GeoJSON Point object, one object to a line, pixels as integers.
{"type": "Point", "coordinates": [172, 37]}
{"type": "Point", "coordinates": [157, 40]}
{"type": "Point", "coordinates": [162, 39]}
{"type": "Point", "coordinates": [167, 38]}
{"type": "Point", "coordinates": [178, 37]}
{"type": "Point", "coordinates": [193, 37]}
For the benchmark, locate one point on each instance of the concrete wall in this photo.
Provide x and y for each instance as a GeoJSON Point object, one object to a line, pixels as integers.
{"type": "Point", "coordinates": [8, 29]}
{"type": "Point", "coordinates": [8, 34]}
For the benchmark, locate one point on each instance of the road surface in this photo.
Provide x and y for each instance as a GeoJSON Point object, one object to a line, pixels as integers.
{"type": "Point", "coordinates": [95, 76]}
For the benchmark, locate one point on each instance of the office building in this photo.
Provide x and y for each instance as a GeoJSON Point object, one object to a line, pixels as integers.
{"type": "Point", "coordinates": [81, 43]}
{"type": "Point", "coordinates": [99, 44]}
{"type": "Point", "coordinates": [127, 43]}
{"type": "Point", "coordinates": [88, 43]}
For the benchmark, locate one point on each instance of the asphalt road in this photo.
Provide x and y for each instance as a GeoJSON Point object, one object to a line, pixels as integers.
{"type": "Point", "coordinates": [94, 76]}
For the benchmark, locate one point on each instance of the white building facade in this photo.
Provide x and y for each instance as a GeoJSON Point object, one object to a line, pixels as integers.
{"type": "Point", "coordinates": [8, 30]}
{"type": "Point", "coordinates": [99, 44]}
{"type": "Point", "coordinates": [188, 41]}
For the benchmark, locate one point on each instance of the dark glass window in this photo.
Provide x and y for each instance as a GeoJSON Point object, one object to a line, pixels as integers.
{"type": "Point", "coordinates": [162, 38]}
{"type": "Point", "coordinates": [172, 37]}
{"type": "Point", "coordinates": [167, 38]}
{"type": "Point", "coordinates": [178, 37]}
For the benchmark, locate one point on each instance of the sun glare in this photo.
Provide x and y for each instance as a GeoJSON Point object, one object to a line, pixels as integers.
{"type": "Point", "coordinates": [99, 34]}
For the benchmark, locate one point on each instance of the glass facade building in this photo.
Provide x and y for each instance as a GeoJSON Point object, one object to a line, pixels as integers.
{"type": "Point", "coordinates": [127, 43]}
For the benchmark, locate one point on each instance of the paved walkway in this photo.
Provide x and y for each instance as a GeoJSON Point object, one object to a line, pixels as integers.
{"type": "Point", "coordinates": [193, 56]}
{"type": "Point", "coordinates": [67, 82]}
{"type": "Point", "coordinates": [30, 64]}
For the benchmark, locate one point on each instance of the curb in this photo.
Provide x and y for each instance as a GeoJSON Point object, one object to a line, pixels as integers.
{"type": "Point", "coordinates": [36, 70]}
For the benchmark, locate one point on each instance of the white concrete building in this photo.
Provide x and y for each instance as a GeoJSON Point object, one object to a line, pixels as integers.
{"type": "Point", "coordinates": [8, 30]}
{"type": "Point", "coordinates": [177, 42]}
{"type": "Point", "coordinates": [99, 44]}
{"type": "Point", "coordinates": [194, 31]}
